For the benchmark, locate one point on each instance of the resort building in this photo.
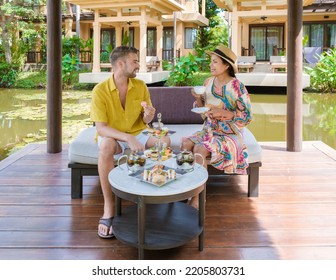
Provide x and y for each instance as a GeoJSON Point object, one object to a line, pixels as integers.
{"type": "Point", "coordinates": [259, 27]}
{"type": "Point", "coordinates": [159, 29]}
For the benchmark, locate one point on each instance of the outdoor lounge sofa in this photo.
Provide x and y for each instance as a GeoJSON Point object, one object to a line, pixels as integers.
{"type": "Point", "coordinates": [246, 63]}
{"type": "Point", "coordinates": [152, 63]}
{"type": "Point", "coordinates": [278, 62]}
{"type": "Point", "coordinates": [175, 104]}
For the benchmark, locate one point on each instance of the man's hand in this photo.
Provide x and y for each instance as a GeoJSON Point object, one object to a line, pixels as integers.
{"type": "Point", "coordinates": [149, 112]}
{"type": "Point", "coordinates": [134, 144]}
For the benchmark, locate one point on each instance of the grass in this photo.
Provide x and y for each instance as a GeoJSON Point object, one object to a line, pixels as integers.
{"type": "Point", "coordinates": [38, 80]}
{"type": "Point", "coordinates": [31, 80]}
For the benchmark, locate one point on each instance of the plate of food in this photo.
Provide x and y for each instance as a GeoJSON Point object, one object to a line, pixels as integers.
{"type": "Point", "coordinates": [153, 153]}
{"type": "Point", "coordinates": [159, 175]}
{"type": "Point", "coordinates": [158, 132]}
{"type": "Point", "coordinates": [200, 110]}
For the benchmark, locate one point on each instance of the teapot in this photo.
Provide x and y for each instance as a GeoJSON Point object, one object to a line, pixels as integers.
{"type": "Point", "coordinates": [186, 160]}
{"type": "Point", "coordinates": [134, 162]}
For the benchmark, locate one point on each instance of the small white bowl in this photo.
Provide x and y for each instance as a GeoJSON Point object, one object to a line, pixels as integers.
{"type": "Point", "coordinates": [199, 89]}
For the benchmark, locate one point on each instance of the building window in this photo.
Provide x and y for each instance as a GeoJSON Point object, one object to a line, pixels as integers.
{"type": "Point", "coordinates": [107, 39]}
{"type": "Point", "coordinates": [320, 34]}
{"type": "Point", "coordinates": [267, 40]}
{"type": "Point", "coordinates": [151, 42]}
{"type": "Point", "coordinates": [168, 44]}
{"type": "Point", "coordinates": [129, 39]}
{"type": "Point", "coordinates": [190, 38]}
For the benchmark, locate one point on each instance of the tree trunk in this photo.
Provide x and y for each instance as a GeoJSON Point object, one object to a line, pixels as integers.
{"type": "Point", "coordinates": [5, 36]}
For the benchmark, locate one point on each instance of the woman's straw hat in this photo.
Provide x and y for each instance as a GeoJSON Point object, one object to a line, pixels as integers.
{"type": "Point", "coordinates": [225, 53]}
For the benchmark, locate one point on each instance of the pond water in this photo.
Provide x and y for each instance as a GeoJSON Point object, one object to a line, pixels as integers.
{"type": "Point", "coordinates": [23, 117]}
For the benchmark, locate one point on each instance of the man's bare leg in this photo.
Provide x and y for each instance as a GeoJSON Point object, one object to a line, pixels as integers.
{"type": "Point", "coordinates": [107, 149]}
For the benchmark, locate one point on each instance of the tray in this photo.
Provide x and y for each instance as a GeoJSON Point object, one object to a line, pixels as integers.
{"type": "Point", "coordinates": [138, 175]}
{"type": "Point", "coordinates": [170, 132]}
{"type": "Point", "coordinates": [163, 158]}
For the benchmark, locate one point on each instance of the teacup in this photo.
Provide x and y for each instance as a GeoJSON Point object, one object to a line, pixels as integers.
{"type": "Point", "coordinates": [134, 162]}
{"type": "Point", "coordinates": [199, 89]}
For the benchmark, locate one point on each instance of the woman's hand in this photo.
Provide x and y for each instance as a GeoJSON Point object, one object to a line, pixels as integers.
{"type": "Point", "coordinates": [220, 114]}
{"type": "Point", "coordinates": [199, 98]}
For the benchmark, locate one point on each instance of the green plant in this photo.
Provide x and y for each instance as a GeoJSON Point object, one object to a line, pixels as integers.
{"type": "Point", "coordinates": [323, 76]}
{"type": "Point", "coordinates": [69, 69]}
{"type": "Point", "coordinates": [8, 74]}
{"type": "Point", "coordinates": [125, 39]}
{"type": "Point", "coordinates": [282, 53]}
{"type": "Point", "coordinates": [183, 70]}
{"type": "Point", "coordinates": [104, 56]}
{"type": "Point", "coordinates": [166, 65]}
{"type": "Point", "coordinates": [31, 80]}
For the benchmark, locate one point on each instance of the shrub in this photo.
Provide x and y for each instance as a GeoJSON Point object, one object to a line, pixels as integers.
{"type": "Point", "coordinates": [183, 70]}
{"type": "Point", "coordinates": [8, 74]}
{"type": "Point", "coordinates": [323, 76]}
{"type": "Point", "coordinates": [32, 80]}
{"type": "Point", "coordinates": [69, 69]}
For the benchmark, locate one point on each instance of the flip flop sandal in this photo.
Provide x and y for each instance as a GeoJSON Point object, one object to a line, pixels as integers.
{"type": "Point", "coordinates": [108, 224]}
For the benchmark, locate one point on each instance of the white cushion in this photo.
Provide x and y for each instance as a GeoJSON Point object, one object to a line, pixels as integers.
{"type": "Point", "coordinates": [253, 148]}
{"type": "Point", "coordinates": [182, 130]}
{"type": "Point", "coordinates": [84, 148]}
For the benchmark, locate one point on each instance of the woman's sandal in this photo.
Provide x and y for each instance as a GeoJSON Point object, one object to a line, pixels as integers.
{"type": "Point", "coordinates": [108, 223]}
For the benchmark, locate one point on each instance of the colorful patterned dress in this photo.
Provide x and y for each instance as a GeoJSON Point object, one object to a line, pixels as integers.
{"type": "Point", "coordinates": [224, 139]}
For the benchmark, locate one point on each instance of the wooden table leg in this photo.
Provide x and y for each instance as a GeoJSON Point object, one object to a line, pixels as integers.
{"type": "Point", "coordinates": [118, 205]}
{"type": "Point", "coordinates": [201, 216]}
{"type": "Point", "coordinates": [141, 227]}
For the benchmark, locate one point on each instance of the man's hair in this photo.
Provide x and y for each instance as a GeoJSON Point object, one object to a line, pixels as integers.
{"type": "Point", "coordinates": [121, 52]}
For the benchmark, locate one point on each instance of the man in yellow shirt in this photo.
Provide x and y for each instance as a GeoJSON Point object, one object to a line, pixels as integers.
{"type": "Point", "coordinates": [121, 109]}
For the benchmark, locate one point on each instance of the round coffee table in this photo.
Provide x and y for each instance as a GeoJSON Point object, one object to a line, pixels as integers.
{"type": "Point", "coordinates": [159, 220]}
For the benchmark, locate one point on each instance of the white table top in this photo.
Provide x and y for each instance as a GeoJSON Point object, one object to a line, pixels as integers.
{"type": "Point", "coordinates": [120, 180]}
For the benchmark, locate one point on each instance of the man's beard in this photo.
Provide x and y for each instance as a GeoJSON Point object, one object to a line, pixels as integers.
{"type": "Point", "coordinates": [132, 74]}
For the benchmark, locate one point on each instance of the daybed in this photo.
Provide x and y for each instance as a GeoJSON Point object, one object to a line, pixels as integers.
{"type": "Point", "coordinates": [277, 63]}
{"type": "Point", "coordinates": [175, 105]}
{"type": "Point", "coordinates": [246, 63]}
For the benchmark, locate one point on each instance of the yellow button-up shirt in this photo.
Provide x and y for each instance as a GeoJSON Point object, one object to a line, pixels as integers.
{"type": "Point", "coordinates": [106, 106]}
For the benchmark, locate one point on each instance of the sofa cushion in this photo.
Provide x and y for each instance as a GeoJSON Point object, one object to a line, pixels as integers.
{"type": "Point", "coordinates": [84, 148]}
{"type": "Point", "coordinates": [175, 104]}
{"type": "Point", "coordinates": [253, 148]}
{"type": "Point", "coordinates": [181, 130]}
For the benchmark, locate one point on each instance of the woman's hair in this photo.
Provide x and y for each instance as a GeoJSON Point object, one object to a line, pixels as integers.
{"type": "Point", "coordinates": [120, 52]}
{"type": "Point", "coordinates": [230, 69]}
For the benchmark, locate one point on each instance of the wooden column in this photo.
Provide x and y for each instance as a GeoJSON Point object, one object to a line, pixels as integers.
{"type": "Point", "coordinates": [159, 44]}
{"type": "Point", "coordinates": [54, 76]}
{"type": "Point", "coordinates": [294, 76]}
{"type": "Point", "coordinates": [235, 31]}
{"type": "Point", "coordinates": [96, 44]}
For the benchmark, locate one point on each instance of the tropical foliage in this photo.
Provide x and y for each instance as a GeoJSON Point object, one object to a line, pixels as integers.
{"type": "Point", "coordinates": [213, 35]}
{"type": "Point", "coordinates": [183, 70]}
{"type": "Point", "coordinates": [323, 75]}
{"type": "Point", "coordinates": [18, 17]}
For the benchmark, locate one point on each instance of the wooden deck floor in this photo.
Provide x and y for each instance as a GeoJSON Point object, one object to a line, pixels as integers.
{"type": "Point", "coordinates": [293, 218]}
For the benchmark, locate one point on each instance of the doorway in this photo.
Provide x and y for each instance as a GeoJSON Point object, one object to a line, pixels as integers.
{"type": "Point", "coordinates": [266, 40]}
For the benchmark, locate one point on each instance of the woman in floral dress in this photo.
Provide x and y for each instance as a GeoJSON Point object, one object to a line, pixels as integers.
{"type": "Point", "coordinates": [229, 111]}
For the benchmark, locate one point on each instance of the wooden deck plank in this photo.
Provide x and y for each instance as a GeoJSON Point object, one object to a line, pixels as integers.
{"type": "Point", "coordinates": [294, 216]}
